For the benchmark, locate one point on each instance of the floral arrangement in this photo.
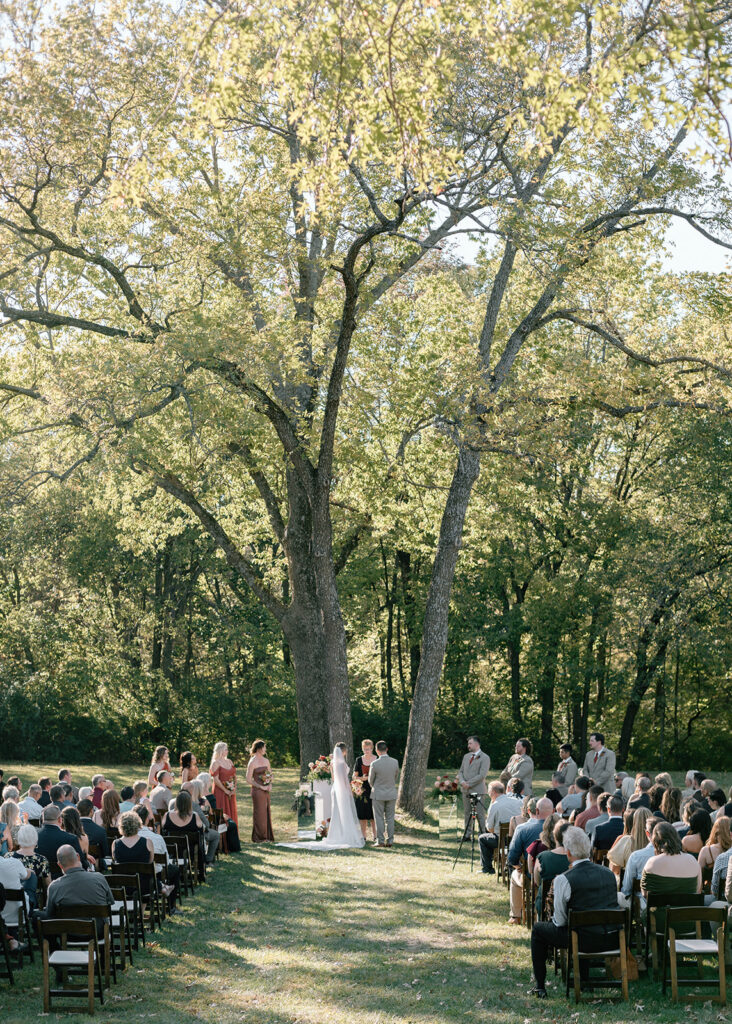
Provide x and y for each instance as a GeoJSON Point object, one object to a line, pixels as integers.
{"type": "Point", "coordinates": [320, 769]}
{"type": "Point", "coordinates": [266, 778]}
{"type": "Point", "coordinates": [321, 831]}
{"type": "Point", "coordinates": [357, 787]}
{"type": "Point", "coordinates": [445, 788]}
{"type": "Point", "coordinates": [302, 801]}
{"type": "Point", "coordinates": [230, 786]}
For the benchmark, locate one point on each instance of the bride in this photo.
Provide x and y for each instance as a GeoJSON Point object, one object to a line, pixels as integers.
{"type": "Point", "coordinates": [344, 829]}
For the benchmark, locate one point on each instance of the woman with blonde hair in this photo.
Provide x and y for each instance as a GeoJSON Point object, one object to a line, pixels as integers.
{"type": "Point", "coordinates": [10, 817]}
{"type": "Point", "coordinates": [664, 779]}
{"type": "Point", "coordinates": [627, 788]}
{"type": "Point", "coordinates": [719, 841]}
{"type": "Point", "coordinates": [634, 838]}
{"type": "Point", "coordinates": [223, 773]}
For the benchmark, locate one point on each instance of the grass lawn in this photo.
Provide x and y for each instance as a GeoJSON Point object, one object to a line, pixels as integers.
{"type": "Point", "coordinates": [360, 937]}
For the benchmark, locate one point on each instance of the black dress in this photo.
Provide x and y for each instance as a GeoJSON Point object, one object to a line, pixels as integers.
{"type": "Point", "coordinates": [137, 854]}
{"type": "Point", "coordinates": [364, 810]}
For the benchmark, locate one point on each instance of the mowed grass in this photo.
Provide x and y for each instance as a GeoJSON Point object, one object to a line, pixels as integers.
{"type": "Point", "coordinates": [372, 936]}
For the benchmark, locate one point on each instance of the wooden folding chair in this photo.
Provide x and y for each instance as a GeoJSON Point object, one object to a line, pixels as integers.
{"type": "Point", "coordinates": [681, 946]}
{"type": "Point", "coordinates": [7, 955]}
{"type": "Point", "coordinates": [152, 897]}
{"type": "Point", "coordinates": [592, 918]}
{"type": "Point", "coordinates": [504, 874]}
{"type": "Point", "coordinates": [221, 826]}
{"type": "Point", "coordinates": [179, 853]}
{"type": "Point", "coordinates": [599, 857]}
{"type": "Point", "coordinates": [74, 962]}
{"type": "Point", "coordinates": [656, 905]}
{"type": "Point", "coordinates": [529, 897]}
{"type": "Point", "coordinates": [84, 912]}
{"type": "Point", "coordinates": [24, 929]}
{"type": "Point", "coordinates": [121, 931]}
{"type": "Point", "coordinates": [133, 900]}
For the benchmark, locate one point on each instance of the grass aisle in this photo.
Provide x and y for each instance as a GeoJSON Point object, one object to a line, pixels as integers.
{"type": "Point", "coordinates": [363, 937]}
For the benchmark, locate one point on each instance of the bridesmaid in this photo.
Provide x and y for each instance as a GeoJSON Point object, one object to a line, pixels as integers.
{"type": "Point", "coordinates": [188, 767]}
{"type": "Point", "coordinates": [160, 762]}
{"type": "Point", "coordinates": [223, 774]}
{"type": "Point", "coordinates": [259, 777]}
{"type": "Point", "coordinates": [364, 810]}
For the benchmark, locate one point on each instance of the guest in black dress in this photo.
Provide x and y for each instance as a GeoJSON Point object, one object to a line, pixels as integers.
{"type": "Point", "coordinates": [132, 848]}
{"type": "Point", "coordinates": [364, 810]}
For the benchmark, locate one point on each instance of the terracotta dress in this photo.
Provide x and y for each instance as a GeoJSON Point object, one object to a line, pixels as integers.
{"type": "Point", "coordinates": [261, 813]}
{"type": "Point", "coordinates": [226, 801]}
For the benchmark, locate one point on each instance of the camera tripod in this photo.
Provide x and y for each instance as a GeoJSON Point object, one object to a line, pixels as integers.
{"type": "Point", "coordinates": [469, 830]}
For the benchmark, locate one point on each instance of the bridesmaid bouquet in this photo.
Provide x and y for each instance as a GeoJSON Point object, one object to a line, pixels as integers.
{"type": "Point", "coordinates": [320, 769]}
{"type": "Point", "coordinates": [322, 830]}
{"type": "Point", "coordinates": [357, 787]}
{"type": "Point", "coordinates": [266, 778]}
{"type": "Point", "coordinates": [445, 788]}
{"type": "Point", "coordinates": [229, 786]}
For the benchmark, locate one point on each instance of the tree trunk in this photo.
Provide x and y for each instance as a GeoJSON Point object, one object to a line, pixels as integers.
{"type": "Point", "coordinates": [404, 560]}
{"type": "Point", "coordinates": [434, 633]}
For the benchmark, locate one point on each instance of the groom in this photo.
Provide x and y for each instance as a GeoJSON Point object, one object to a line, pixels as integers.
{"type": "Point", "coordinates": [383, 778]}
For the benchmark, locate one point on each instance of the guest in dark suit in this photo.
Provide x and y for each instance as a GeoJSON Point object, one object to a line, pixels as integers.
{"type": "Point", "coordinates": [76, 887]}
{"type": "Point", "coordinates": [608, 832]}
{"type": "Point", "coordinates": [45, 798]}
{"type": "Point", "coordinates": [96, 833]}
{"type": "Point", "coordinates": [51, 838]}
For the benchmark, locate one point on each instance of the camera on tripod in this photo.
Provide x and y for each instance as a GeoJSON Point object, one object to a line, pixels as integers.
{"type": "Point", "coordinates": [475, 799]}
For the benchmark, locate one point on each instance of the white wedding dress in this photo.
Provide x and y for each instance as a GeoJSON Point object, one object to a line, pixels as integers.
{"type": "Point", "coordinates": [344, 831]}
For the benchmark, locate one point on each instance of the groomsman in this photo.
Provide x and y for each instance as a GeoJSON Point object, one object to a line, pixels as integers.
{"type": "Point", "coordinates": [566, 771]}
{"type": "Point", "coordinates": [520, 766]}
{"type": "Point", "coordinates": [600, 763]}
{"type": "Point", "coordinates": [471, 777]}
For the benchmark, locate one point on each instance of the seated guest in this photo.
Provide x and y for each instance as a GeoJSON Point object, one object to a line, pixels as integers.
{"type": "Point", "coordinates": [641, 798]}
{"type": "Point", "coordinates": [162, 794]}
{"type": "Point", "coordinates": [188, 767]}
{"type": "Point", "coordinates": [706, 788]}
{"type": "Point", "coordinates": [98, 789]}
{"type": "Point", "coordinates": [528, 807]}
{"type": "Point", "coordinates": [655, 796]}
{"type": "Point", "coordinates": [700, 828]}
{"type": "Point", "coordinates": [206, 780]}
{"type": "Point", "coordinates": [716, 801]}
{"type": "Point", "coordinates": [671, 806]}
{"type": "Point", "coordinates": [698, 794]}
{"type": "Point", "coordinates": [664, 779]}
{"type": "Point", "coordinates": [627, 789]}
{"type": "Point", "coordinates": [11, 794]}
{"type": "Point", "coordinates": [669, 870]}
{"type": "Point", "coordinates": [618, 780]}
{"type": "Point", "coordinates": [211, 835]}
{"type": "Point", "coordinates": [719, 841]}
{"type": "Point", "coordinates": [45, 798]}
{"type": "Point", "coordinates": [10, 818]}
{"type": "Point", "coordinates": [182, 821]}
{"type": "Point", "coordinates": [688, 784]}
{"type": "Point", "coordinates": [140, 797]}
{"type": "Point", "coordinates": [13, 875]}
{"type": "Point", "coordinates": [158, 844]}
{"type": "Point", "coordinates": [592, 810]}
{"type": "Point", "coordinates": [523, 837]}
{"type": "Point", "coordinates": [72, 826]}
{"type": "Point", "coordinates": [160, 763]}
{"type": "Point", "coordinates": [605, 834]}
{"type": "Point", "coordinates": [633, 839]}
{"type": "Point", "coordinates": [602, 802]}
{"type": "Point", "coordinates": [502, 809]}
{"type": "Point", "coordinates": [520, 765]}
{"type": "Point", "coordinates": [576, 798]}
{"type": "Point", "coordinates": [553, 793]}
{"type": "Point", "coordinates": [108, 815]}
{"type": "Point", "coordinates": [52, 837]}
{"type": "Point", "coordinates": [131, 847]}
{"type": "Point", "coordinates": [639, 858]}
{"type": "Point", "coordinates": [30, 804]}
{"type": "Point", "coordinates": [544, 842]}
{"type": "Point", "coordinates": [127, 799]}
{"type": "Point", "coordinates": [68, 795]}
{"type": "Point", "coordinates": [96, 834]}
{"type": "Point", "coordinates": [75, 887]}
{"type": "Point", "coordinates": [86, 793]}
{"type": "Point", "coordinates": [585, 886]}
{"type": "Point", "coordinates": [57, 796]}
{"type": "Point", "coordinates": [552, 861]}
{"type": "Point", "coordinates": [14, 781]}
{"type": "Point", "coordinates": [720, 887]}
{"type": "Point", "coordinates": [26, 853]}
{"type": "Point", "coordinates": [64, 778]}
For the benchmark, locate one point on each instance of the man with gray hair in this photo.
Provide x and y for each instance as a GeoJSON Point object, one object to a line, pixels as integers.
{"type": "Point", "coordinates": [30, 804]}
{"type": "Point", "coordinates": [585, 886]}
{"type": "Point", "coordinates": [502, 809]}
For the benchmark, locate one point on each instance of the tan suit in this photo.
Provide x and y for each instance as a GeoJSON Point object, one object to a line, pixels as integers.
{"type": "Point", "coordinates": [472, 772]}
{"type": "Point", "coordinates": [520, 766]}
{"type": "Point", "coordinates": [383, 779]}
{"type": "Point", "coordinates": [566, 773]}
{"type": "Point", "coordinates": [601, 768]}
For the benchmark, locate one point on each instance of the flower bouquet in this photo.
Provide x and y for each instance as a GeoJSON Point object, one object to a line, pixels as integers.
{"type": "Point", "coordinates": [230, 787]}
{"type": "Point", "coordinates": [266, 778]}
{"type": "Point", "coordinates": [445, 788]}
{"type": "Point", "coordinates": [357, 787]}
{"type": "Point", "coordinates": [321, 831]}
{"type": "Point", "coordinates": [320, 769]}
{"type": "Point", "coordinates": [302, 801]}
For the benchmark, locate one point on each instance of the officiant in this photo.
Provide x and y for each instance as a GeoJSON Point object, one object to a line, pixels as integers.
{"type": "Point", "coordinates": [471, 777]}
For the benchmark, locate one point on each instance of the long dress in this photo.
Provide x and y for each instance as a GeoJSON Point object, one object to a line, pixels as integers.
{"type": "Point", "coordinates": [226, 801]}
{"type": "Point", "coordinates": [364, 808]}
{"type": "Point", "coordinates": [261, 810]}
{"type": "Point", "coordinates": [344, 831]}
